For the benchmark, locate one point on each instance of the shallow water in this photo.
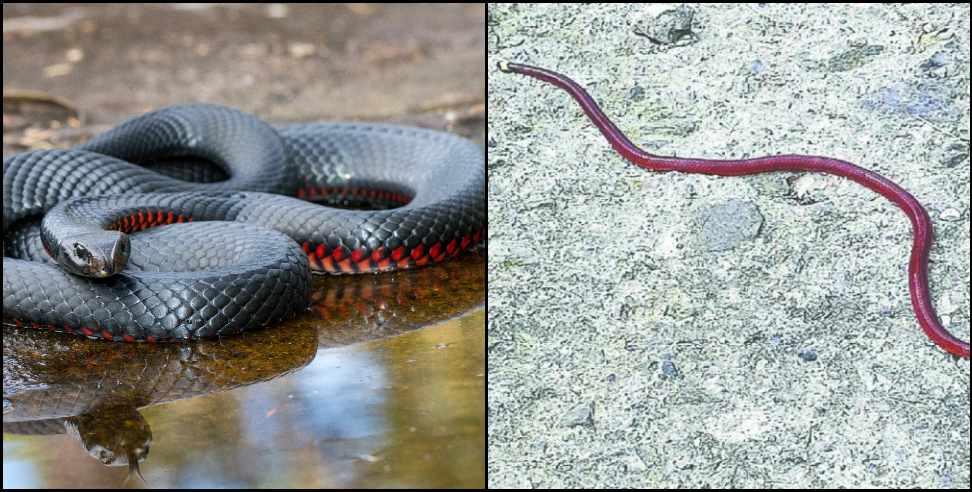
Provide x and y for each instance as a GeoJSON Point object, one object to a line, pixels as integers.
{"type": "Point", "coordinates": [380, 384]}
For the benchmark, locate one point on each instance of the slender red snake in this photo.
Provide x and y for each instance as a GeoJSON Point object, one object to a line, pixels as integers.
{"type": "Point", "coordinates": [921, 222]}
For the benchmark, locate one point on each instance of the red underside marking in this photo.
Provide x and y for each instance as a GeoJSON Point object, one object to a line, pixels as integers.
{"type": "Point", "coordinates": [340, 260]}
{"type": "Point", "coordinates": [92, 333]}
{"type": "Point", "coordinates": [360, 260]}
{"type": "Point", "coordinates": [378, 254]}
{"type": "Point", "coordinates": [144, 219]}
{"type": "Point", "coordinates": [338, 253]}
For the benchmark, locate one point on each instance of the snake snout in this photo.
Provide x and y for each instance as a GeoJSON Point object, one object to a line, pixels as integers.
{"type": "Point", "coordinates": [96, 255]}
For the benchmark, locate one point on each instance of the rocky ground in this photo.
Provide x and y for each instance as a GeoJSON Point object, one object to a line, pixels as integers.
{"type": "Point", "coordinates": [673, 330]}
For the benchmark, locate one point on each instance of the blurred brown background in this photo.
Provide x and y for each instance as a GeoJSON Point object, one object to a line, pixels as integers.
{"type": "Point", "coordinates": [421, 64]}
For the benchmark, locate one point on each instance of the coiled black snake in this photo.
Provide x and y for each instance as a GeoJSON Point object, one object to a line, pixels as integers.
{"type": "Point", "coordinates": [182, 281]}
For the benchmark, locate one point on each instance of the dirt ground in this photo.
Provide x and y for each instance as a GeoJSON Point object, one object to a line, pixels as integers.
{"type": "Point", "coordinates": [674, 330]}
{"type": "Point", "coordinates": [419, 64]}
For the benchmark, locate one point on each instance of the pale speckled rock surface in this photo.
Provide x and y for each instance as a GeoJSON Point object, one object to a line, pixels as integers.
{"type": "Point", "coordinates": [790, 358]}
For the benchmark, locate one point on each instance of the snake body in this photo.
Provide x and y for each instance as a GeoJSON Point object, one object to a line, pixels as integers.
{"type": "Point", "coordinates": [181, 281]}
{"type": "Point", "coordinates": [921, 223]}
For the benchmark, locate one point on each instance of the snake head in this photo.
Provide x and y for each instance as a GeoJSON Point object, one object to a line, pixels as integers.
{"type": "Point", "coordinates": [97, 255]}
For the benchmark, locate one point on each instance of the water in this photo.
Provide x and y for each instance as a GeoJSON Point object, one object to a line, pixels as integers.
{"type": "Point", "coordinates": [380, 384]}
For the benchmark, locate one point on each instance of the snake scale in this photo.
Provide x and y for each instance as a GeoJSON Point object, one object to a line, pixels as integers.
{"type": "Point", "coordinates": [190, 277]}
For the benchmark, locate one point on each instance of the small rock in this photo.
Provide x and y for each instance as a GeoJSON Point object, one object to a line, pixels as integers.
{"type": "Point", "coordinates": [808, 355]}
{"type": "Point", "coordinates": [633, 463]}
{"type": "Point", "coordinates": [938, 60]}
{"type": "Point", "coordinates": [805, 185]}
{"type": "Point", "coordinates": [668, 370]}
{"type": "Point", "coordinates": [925, 101]}
{"type": "Point", "coordinates": [853, 58]}
{"type": "Point", "coordinates": [580, 416]}
{"type": "Point", "coordinates": [946, 306]}
{"type": "Point", "coordinates": [757, 67]}
{"type": "Point", "coordinates": [726, 226]}
{"type": "Point", "coordinates": [672, 27]}
{"type": "Point", "coordinates": [951, 215]}
{"type": "Point", "coordinates": [637, 93]}
{"type": "Point", "coordinates": [75, 55]}
{"type": "Point", "coordinates": [301, 50]}
{"type": "Point", "coordinates": [956, 154]}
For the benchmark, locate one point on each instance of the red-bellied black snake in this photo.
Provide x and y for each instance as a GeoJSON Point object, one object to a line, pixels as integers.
{"type": "Point", "coordinates": [227, 271]}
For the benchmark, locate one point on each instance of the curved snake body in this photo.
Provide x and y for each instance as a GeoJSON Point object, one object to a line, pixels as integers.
{"type": "Point", "coordinates": [183, 281]}
{"type": "Point", "coordinates": [921, 223]}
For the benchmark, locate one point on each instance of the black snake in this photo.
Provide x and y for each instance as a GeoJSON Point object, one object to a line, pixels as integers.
{"type": "Point", "coordinates": [183, 281]}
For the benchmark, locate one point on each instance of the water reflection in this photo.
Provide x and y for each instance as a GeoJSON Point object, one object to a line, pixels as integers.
{"type": "Point", "coordinates": [90, 391]}
{"type": "Point", "coordinates": [354, 308]}
{"type": "Point", "coordinates": [399, 411]}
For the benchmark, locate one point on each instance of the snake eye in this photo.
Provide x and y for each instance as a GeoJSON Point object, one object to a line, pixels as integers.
{"type": "Point", "coordinates": [81, 252]}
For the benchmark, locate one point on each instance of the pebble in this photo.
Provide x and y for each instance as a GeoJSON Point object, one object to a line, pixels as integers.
{"type": "Point", "coordinates": [808, 355]}
{"type": "Point", "coordinates": [580, 416]}
{"type": "Point", "coordinates": [951, 215]}
{"type": "Point", "coordinates": [726, 226]}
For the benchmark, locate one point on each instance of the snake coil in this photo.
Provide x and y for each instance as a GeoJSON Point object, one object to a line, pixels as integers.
{"type": "Point", "coordinates": [182, 280]}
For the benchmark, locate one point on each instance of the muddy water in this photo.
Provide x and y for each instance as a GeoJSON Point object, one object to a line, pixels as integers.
{"type": "Point", "coordinates": [380, 384]}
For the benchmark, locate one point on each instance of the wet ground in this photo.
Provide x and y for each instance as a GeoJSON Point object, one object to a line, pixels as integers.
{"type": "Point", "coordinates": [380, 384]}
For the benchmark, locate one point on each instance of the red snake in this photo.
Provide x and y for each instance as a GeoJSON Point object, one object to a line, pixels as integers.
{"type": "Point", "coordinates": [920, 221]}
